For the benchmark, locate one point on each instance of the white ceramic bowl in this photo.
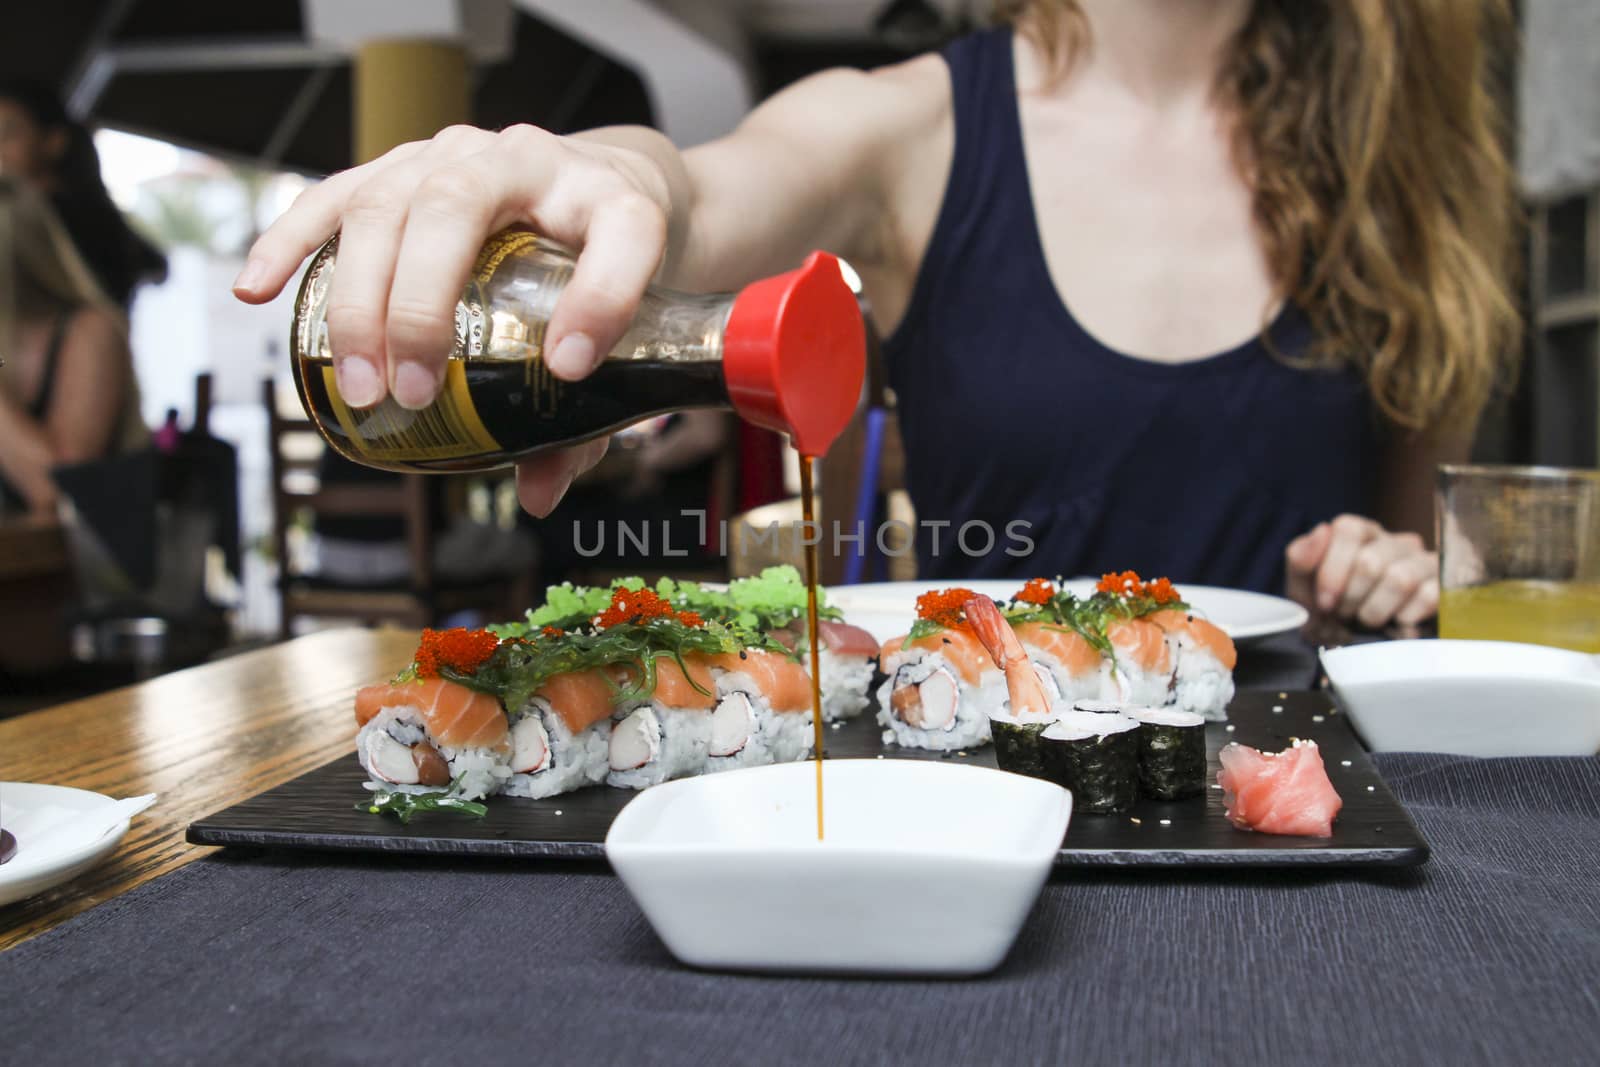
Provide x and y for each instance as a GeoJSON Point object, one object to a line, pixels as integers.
{"type": "Point", "coordinates": [926, 867]}
{"type": "Point", "coordinates": [1469, 698]}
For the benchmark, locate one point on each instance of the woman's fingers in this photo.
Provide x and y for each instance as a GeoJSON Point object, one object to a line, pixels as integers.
{"type": "Point", "coordinates": [1374, 565]}
{"type": "Point", "coordinates": [624, 239]}
{"type": "Point", "coordinates": [1399, 583]}
{"type": "Point", "coordinates": [1423, 604]}
{"type": "Point", "coordinates": [1350, 533]}
{"type": "Point", "coordinates": [544, 479]}
{"type": "Point", "coordinates": [1300, 563]}
{"type": "Point", "coordinates": [312, 219]}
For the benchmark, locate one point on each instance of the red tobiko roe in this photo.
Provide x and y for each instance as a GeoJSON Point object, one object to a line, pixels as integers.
{"type": "Point", "coordinates": [1161, 590]}
{"type": "Point", "coordinates": [947, 607]}
{"type": "Point", "coordinates": [1037, 591]}
{"type": "Point", "coordinates": [460, 649]}
{"type": "Point", "coordinates": [1125, 584]}
{"type": "Point", "coordinates": [639, 605]}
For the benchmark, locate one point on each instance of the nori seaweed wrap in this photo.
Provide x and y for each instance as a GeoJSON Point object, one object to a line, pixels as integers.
{"type": "Point", "coordinates": [1017, 747]}
{"type": "Point", "coordinates": [1172, 752]}
{"type": "Point", "coordinates": [1096, 757]}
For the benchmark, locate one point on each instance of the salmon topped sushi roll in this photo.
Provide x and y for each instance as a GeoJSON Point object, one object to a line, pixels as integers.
{"type": "Point", "coordinates": [665, 732]}
{"type": "Point", "coordinates": [942, 685]}
{"type": "Point", "coordinates": [560, 739]}
{"type": "Point", "coordinates": [1139, 669]}
{"type": "Point", "coordinates": [429, 734]}
{"type": "Point", "coordinates": [1204, 660]}
{"type": "Point", "coordinates": [763, 712]}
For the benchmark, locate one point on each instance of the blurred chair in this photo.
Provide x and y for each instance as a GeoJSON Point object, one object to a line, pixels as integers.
{"type": "Point", "coordinates": [424, 598]}
{"type": "Point", "coordinates": [139, 530]}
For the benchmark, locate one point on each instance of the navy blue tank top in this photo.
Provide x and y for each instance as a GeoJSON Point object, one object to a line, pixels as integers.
{"type": "Point", "coordinates": [1076, 458]}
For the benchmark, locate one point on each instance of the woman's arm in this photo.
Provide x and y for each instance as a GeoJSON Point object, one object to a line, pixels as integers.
{"type": "Point", "coordinates": [1377, 572]}
{"type": "Point", "coordinates": [92, 373]}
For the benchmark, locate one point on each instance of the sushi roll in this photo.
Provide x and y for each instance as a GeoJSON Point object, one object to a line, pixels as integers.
{"type": "Point", "coordinates": [1172, 752]}
{"type": "Point", "coordinates": [666, 734]}
{"type": "Point", "coordinates": [732, 710]}
{"type": "Point", "coordinates": [763, 711]}
{"type": "Point", "coordinates": [1095, 757]}
{"type": "Point", "coordinates": [1139, 669]}
{"type": "Point", "coordinates": [848, 658]}
{"type": "Point", "coordinates": [1205, 657]}
{"type": "Point", "coordinates": [429, 735]}
{"type": "Point", "coordinates": [560, 740]}
{"type": "Point", "coordinates": [1069, 666]}
{"type": "Point", "coordinates": [1099, 707]}
{"type": "Point", "coordinates": [940, 692]}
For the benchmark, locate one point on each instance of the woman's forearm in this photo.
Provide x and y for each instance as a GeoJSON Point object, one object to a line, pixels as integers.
{"type": "Point", "coordinates": [26, 457]}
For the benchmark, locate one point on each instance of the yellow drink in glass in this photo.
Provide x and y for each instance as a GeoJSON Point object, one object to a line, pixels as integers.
{"type": "Point", "coordinates": [1565, 614]}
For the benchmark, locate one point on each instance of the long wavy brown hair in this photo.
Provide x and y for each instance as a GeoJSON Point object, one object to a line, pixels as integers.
{"type": "Point", "coordinates": [1374, 144]}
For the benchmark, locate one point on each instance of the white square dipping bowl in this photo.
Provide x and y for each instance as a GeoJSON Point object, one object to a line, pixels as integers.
{"type": "Point", "coordinates": [1469, 698]}
{"type": "Point", "coordinates": [926, 867]}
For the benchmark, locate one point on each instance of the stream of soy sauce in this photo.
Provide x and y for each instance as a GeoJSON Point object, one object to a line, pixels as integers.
{"type": "Point", "coordinates": [809, 538]}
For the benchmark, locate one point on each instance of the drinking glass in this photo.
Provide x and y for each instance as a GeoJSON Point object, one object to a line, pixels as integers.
{"type": "Point", "coordinates": [1519, 555]}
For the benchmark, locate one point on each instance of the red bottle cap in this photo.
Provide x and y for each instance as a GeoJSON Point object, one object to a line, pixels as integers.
{"type": "Point", "coordinates": [794, 353]}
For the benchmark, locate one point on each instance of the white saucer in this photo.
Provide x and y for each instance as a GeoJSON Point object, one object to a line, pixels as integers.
{"type": "Point", "coordinates": [53, 845]}
{"type": "Point", "coordinates": [886, 609]}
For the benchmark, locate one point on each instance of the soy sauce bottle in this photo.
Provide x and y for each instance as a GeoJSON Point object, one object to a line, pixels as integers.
{"type": "Point", "coordinates": [787, 353]}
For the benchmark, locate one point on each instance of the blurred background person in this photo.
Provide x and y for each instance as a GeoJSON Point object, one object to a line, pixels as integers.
{"type": "Point", "coordinates": [67, 391]}
{"type": "Point", "coordinates": [40, 144]}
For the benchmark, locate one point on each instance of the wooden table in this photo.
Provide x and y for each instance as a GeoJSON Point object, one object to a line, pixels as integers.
{"type": "Point", "coordinates": [202, 739]}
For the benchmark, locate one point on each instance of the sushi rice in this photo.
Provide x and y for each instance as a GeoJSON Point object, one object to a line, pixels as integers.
{"type": "Point", "coordinates": [572, 762]}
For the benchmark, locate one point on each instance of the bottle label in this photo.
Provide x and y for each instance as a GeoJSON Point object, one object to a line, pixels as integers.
{"type": "Point", "coordinates": [449, 428]}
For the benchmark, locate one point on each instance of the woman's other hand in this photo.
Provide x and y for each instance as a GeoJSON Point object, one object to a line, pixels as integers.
{"type": "Point", "coordinates": [1354, 570]}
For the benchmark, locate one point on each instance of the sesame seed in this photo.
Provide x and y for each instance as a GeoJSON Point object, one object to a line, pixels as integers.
{"type": "Point", "coordinates": [1372, 789]}
{"type": "Point", "coordinates": [1276, 708]}
{"type": "Point", "coordinates": [837, 725]}
{"type": "Point", "coordinates": [1229, 728]}
{"type": "Point", "coordinates": [1283, 696]}
{"type": "Point", "coordinates": [1215, 786]}
{"type": "Point", "coordinates": [1316, 718]}
{"type": "Point", "coordinates": [1166, 822]}
{"type": "Point", "coordinates": [1135, 820]}
{"type": "Point", "coordinates": [558, 811]}
{"type": "Point", "coordinates": [1344, 763]}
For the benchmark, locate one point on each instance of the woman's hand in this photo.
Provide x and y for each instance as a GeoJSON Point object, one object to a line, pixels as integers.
{"type": "Point", "coordinates": [1354, 570]}
{"type": "Point", "coordinates": [411, 223]}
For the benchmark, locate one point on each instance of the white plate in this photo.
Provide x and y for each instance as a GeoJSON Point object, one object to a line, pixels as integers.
{"type": "Point", "coordinates": [886, 609]}
{"type": "Point", "coordinates": [926, 868]}
{"type": "Point", "coordinates": [53, 844]}
{"type": "Point", "coordinates": [1469, 698]}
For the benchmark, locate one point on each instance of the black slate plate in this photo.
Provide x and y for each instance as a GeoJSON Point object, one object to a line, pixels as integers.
{"type": "Point", "coordinates": [317, 810]}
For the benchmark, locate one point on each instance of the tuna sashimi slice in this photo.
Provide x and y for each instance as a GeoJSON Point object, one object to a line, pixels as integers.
{"type": "Point", "coordinates": [1284, 792]}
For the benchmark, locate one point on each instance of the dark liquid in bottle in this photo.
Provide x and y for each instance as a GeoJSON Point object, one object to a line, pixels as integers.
{"type": "Point", "coordinates": [492, 412]}
{"type": "Point", "coordinates": [808, 512]}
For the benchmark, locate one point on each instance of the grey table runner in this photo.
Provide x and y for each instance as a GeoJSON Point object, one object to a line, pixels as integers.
{"type": "Point", "coordinates": [1490, 954]}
